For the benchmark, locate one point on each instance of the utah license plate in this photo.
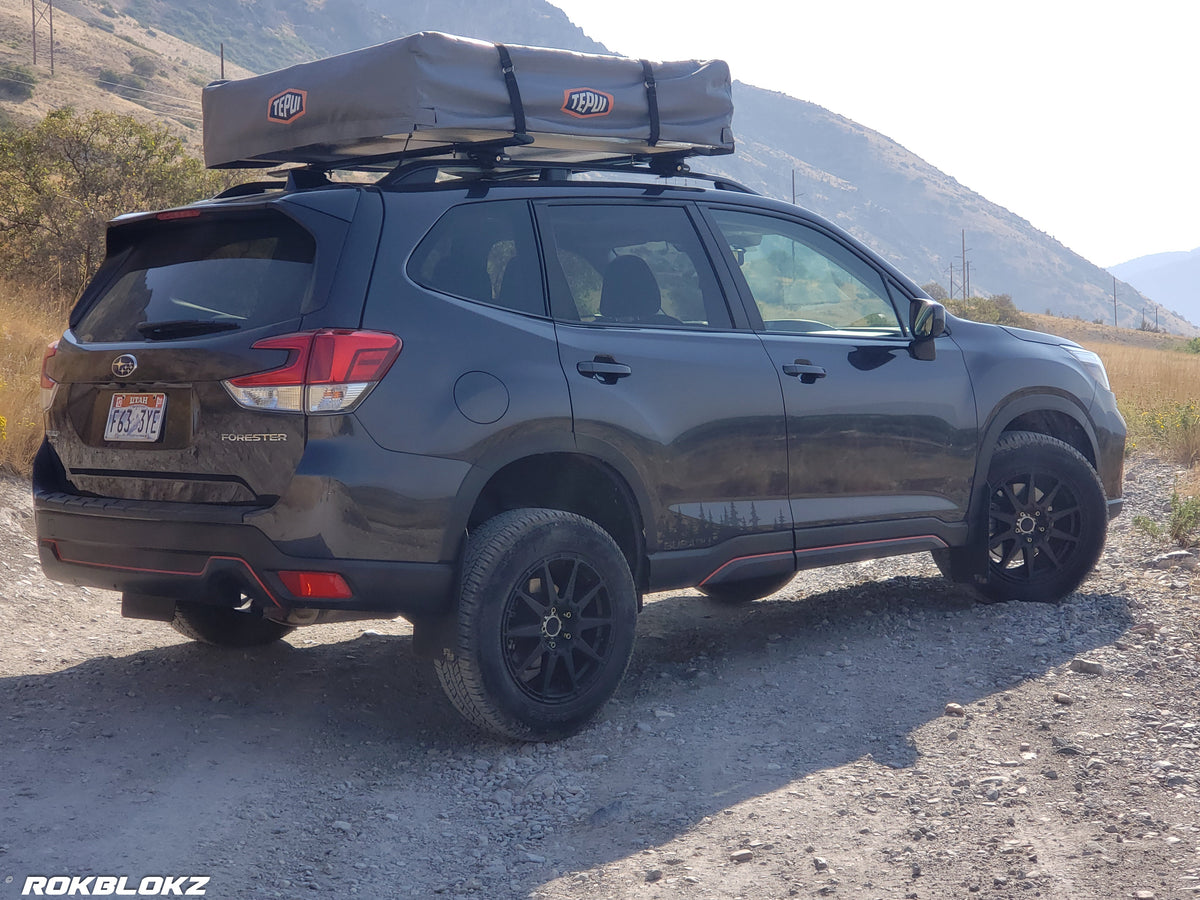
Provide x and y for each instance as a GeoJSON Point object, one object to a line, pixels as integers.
{"type": "Point", "coordinates": [135, 417]}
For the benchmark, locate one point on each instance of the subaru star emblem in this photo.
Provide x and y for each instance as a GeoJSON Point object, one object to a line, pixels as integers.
{"type": "Point", "coordinates": [124, 365]}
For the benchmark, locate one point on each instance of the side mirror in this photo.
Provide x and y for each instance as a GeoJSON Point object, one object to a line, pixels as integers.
{"type": "Point", "coordinates": [926, 321]}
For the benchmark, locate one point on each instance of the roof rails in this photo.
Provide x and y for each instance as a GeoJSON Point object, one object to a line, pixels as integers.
{"type": "Point", "coordinates": [552, 170]}
{"type": "Point", "coordinates": [478, 164]}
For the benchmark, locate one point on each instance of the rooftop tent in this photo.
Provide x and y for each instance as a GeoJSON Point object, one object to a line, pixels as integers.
{"type": "Point", "coordinates": [430, 91]}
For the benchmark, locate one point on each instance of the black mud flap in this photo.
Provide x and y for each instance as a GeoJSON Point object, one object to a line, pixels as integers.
{"type": "Point", "coordinates": [147, 606]}
{"type": "Point", "coordinates": [432, 635]}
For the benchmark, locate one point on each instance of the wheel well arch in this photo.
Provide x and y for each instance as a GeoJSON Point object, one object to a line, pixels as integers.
{"type": "Point", "coordinates": [572, 482]}
{"type": "Point", "coordinates": [1056, 424]}
{"type": "Point", "coordinates": [1048, 414]}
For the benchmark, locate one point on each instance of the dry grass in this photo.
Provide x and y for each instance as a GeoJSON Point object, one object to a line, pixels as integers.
{"type": "Point", "coordinates": [28, 321]}
{"type": "Point", "coordinates": [1159, 395]}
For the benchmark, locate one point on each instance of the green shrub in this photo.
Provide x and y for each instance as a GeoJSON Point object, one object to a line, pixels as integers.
{"type": "Point", "coordinates": [998, 310]}
{"type": "Point", "coordinates": [144, 66]}
{"type": "Point", "coordinates": [1185, 520]}
{"type": "Point", "coordinates": [69, 174]}
{"type": "Point", "coordinates": [16, 83]}
{"type": "Point", "coordinates": [114, 81]}
{"type": "Point", "coordinates": [1148, 526]}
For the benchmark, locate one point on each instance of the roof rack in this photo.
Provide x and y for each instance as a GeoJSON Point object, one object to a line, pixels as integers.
{"type": "Point", "coordinates": [552, 170]}
{"type": "Point", "coordinates": [477, 165]}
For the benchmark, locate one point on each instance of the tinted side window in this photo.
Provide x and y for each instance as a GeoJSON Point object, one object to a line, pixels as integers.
{"type": "Point", "coordinates": [803, 280]}
{"type": "Point", "coordinates": [613, 264]}
{"type": "Point", "coordinates": [243, 272]}
{"type": "Point", "coordinates": [484, 252]}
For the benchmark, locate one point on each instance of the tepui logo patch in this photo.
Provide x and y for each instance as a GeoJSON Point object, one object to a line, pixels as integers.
{"type": "Point", "coordinates": [287, 106]}
{"type": "Point", "coordinates": [586, 103]}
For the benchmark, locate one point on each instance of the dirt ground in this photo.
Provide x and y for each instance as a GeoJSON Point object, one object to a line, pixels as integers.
{"type": "Point", "coordinates": [801, 746]}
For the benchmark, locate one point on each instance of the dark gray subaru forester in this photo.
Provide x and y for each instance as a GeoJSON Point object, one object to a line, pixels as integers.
{"type": "Point", "coordinates": [506, 397]}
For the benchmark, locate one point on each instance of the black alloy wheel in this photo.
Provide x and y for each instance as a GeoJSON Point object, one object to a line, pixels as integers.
{"type": "Point", "coordinates": [557, 629]}
{"type": "Point", "coordinates": [1047, 519]}
{"type": "Point", "coordinates": [546, 617]}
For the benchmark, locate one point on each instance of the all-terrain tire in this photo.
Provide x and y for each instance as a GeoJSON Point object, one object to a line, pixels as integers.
{"type": "Point", "coordinates": [746, 590]}
{"type": "Point", "coordinates": [546, 617]}
{"type": "Point", "coordinates": [226, 627]}
{"type": "Point", "coordinates": [1047, 520]}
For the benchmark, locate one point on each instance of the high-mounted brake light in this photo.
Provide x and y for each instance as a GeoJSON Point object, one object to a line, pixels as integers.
{"type": "Point", "coordinates": [49, 385]}
{"type": "Point", "coordinates": [178, 214]}
{"type": "Point", "coordinates": [327, 371]}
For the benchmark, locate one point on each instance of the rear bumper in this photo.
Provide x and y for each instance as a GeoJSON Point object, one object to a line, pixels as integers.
{"type": "Point", "coordinates": [188, 552]}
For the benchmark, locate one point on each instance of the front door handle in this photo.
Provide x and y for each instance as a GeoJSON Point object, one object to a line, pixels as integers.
{"type": "Point", "coordinates": [804, 370]}
{"type": "Point", "coordinates": [604, 369]}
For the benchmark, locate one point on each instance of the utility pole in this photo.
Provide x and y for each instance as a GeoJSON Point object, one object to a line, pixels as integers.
{"type": "Point", "coordinates": [950, 293]}
{"type": "Point", "coordinates": [964, 259]}
{"type": "Point", "coordinates": [42, 11]}
{"type": "Point", "coordinates": [793, 187]}
{"type": "Point", "coordinates": [1114, 301]}
{"type": "Point", "coordinates": [966, 267]}
{"type": "Point", "coordinates": [223, 78]}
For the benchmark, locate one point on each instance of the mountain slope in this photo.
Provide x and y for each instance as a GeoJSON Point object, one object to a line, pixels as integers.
{"type": "Point", "coordinates": [1172, 279]}
{"type": "Point", "coordinates": [896, 202]}
{"type": "Point", "coordinates": [270, 34]}
{"type": "Point", "coordinates": [915, 214]}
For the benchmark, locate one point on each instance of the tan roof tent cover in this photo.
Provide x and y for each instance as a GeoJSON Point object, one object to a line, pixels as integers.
{"type": "Point", "coordinates": [431, 90]}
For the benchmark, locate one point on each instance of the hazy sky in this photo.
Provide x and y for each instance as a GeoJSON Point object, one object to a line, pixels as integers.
{"type": "Point", "coordinates": [1078, 116]}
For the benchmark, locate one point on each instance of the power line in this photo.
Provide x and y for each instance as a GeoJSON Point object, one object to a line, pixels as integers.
{"type": "Point", "coordinates": [194, 104]}
{"type": "Point", "coordinates": [130, 87]}
{"type": "Point", "coordinates": [72, 94]}
{"type": "Point", "coordinates": [124, 87]}
{"type": "Point", "coordinates": [162, 108]}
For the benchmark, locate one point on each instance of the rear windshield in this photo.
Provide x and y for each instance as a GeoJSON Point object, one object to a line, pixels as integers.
{"type": "Point", "coordinates": [182, 278]}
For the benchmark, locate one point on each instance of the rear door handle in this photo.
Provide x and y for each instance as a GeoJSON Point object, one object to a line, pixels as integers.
{"type": "Point", "coordinates": [804, 370]}
{"type": "Point", "coordinates": [604, 369]}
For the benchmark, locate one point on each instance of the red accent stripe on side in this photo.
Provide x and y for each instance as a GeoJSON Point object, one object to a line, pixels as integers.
{"type": "Point", "coordinates": [237, 559]}
{"type": "Point", "coordinates": [809, 550]}
{"type": "Point", "coordinates": [740, 559]}
{"type": "Point", "coordinates": [919, 537]}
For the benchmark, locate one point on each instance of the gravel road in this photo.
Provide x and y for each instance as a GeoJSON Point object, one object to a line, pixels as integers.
{"type": "Point", "coordinates": [870, 731]}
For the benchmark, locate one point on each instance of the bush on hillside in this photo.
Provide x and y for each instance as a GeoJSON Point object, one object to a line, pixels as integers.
{"type": "Point", "coordinates": [66, 176]}
{"type": "Point", "coordinates": [936, 291]}
{"type": "Point", "coordinates": [144, 66]}
{"type": "Point", "coordinates": [112, 80]}
{"type": "Point", "coordinates": [17, 83]}
{"type": "Point", "coordinates": [999, 310]}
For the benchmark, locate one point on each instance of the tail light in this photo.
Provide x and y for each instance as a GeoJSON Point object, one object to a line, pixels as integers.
{"type": "Point", "coordinates": [328, 371]}
{"type": "Point", "coordinates": [317, 585]}
{"type": "Point", "coordinates": [49, 385]}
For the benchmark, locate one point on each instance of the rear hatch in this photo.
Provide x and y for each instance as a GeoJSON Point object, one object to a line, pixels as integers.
{"type": "Point", "coordinates": [138, 406]}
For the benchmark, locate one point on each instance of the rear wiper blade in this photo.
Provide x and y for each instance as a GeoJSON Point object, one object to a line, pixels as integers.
{"type": "Point", "coordinates": [177, 328]}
